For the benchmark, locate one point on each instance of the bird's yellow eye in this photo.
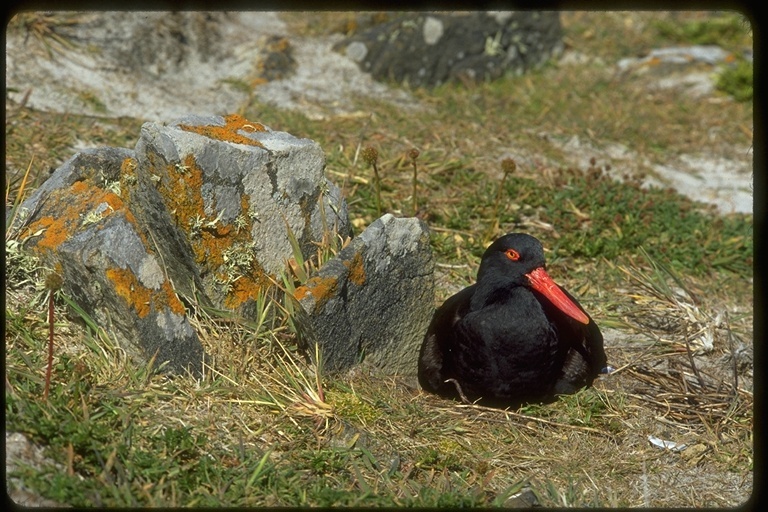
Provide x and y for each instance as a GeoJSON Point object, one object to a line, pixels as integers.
{"type": "Point", "coordinates": [512, 254]}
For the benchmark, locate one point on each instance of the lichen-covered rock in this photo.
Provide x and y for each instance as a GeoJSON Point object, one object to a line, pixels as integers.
{"type": "Point", "coordinates": [374, 300]}
{"type": "Point", "coordinates": [204, 207]}
{"type": "Point", "coordinates": [79, 225]}
{"type": "Point", "coordinates": [238, 191]}
{"type": "Point", "coordinates": [427, 49]}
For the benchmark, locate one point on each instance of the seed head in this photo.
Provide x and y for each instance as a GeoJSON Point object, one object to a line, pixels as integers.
{"type": "Point", "coordinates": [53, 281]}
{"type": "Point", "coordinates": [508, 165]}
{"type": "Point", "coordinates": [370, 155]}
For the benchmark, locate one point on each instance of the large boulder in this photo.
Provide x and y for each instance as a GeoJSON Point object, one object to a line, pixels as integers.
{"type": "Point", "coordinates": [160, 65]}
{"type": "Point", "coordinates": [203, 209]}
{"type": "Point", "coordinates": [373, 302]}
{"type": "Point", "coordinates": [80, 227]}
{"type": "Point", "coordinates": [430, 48]}
{"type": "Point", "coordinates": [238, 192]}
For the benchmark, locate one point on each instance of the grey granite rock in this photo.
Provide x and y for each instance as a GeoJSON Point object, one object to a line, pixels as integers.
{"type": "Point", "coordinates": [79, 225]}
{"type": "Point", "coordinates": [237, 191]}
{"type": "Point", "coordinates": [373, 302]}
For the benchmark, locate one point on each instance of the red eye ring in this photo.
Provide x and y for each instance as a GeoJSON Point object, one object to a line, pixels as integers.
{"type": "Point", "coordinates": [512, 254]}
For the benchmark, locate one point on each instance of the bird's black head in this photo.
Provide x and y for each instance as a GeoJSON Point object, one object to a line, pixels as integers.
{"type": "Point", "coordinates": [517, 259]}
{"type": "Point", "coordinates": [511, 257]}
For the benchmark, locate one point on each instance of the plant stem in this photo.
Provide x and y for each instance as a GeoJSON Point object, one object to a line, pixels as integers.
{"type": "Point", "coordinates": [508, 166]}
{"type": "Point", "coordinates": [371, 156]}
{"type": "Point", "coordinates": [414, 154]}
{"type": "Point", "coordinates": [378, 188]}
{"type": "Point", "coordinates": [49, 369]}
{"type": "Point", "coordinates": [53, 282]}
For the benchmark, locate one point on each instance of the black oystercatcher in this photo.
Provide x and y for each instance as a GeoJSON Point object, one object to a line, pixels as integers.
{"type": "Point", "coordinates": [513, 337]}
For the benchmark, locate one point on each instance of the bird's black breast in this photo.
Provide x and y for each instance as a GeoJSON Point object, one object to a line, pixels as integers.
{"type": "Point", "coordinates": [515, 348]}
{"type": "Point", "coordinates": [584, 355]}
{"type": "Point", "coordinates": [507, 350]}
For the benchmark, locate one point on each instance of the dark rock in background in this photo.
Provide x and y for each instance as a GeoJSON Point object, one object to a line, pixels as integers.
{"type": "Point", "coordinates": [277, 61]}
{"type": "Point", "coordinates": [157, 65]}
{"type": "Point", "coordinates": [427, 49]}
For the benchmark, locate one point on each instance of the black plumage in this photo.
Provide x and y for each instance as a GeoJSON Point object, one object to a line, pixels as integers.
{"type": "Point", "coordinates": [514, 336]}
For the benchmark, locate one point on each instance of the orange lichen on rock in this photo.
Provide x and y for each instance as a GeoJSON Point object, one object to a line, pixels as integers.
{"type": "Point", "coordinates": [71, 209]}
{"type": "Point", "coordinates": [321, 288]}
{"type": "Point", "coordinates": [54, 231]}
{"type": "Point", "coordinates": [356, 269]}
{"type": "Point", "coordinates": [127, 177]}
{"type": "Point", "coordinates": [209, 237]}
{"type": "Point", "coordinates": [209, 250]}
{"type": "Point", "coordinates": [246, 287]}
{"type": "Point", "coordinates": [128, 166]}
{"type": "Point", "coordinates": [65, 218]}
{"type": "Point", "coordinates": [182, 192]}
{"type": "Point", "coordinates": [183, 196]}
{"type": "Point", "coordinates": [141, 298]}
{"type": "Point", "coordinates": [171, 299]}
{"type": "Point", "coordinates": [114, 202]}
{"type": "Point", "coordinates": [229, 132]}
{"type": "Point", "coordinates": [128, 287]}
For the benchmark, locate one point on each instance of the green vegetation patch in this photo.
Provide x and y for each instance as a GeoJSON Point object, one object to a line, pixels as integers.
{"type": "Point", "coordinates": [736, 80]}
{"type": "Point", "coordinates": [597, 216]}
{"type": "Point", "coordinates": [728, 30]}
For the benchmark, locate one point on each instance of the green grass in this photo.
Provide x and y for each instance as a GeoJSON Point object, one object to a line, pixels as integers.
{"type": "Point", "coordinates": [264, 427]}
{"type": "Point", "coordinates": [600, 218]}
{"type": "Point", "coordinates": [737, 81]}
{"type": "Point", "coordinates": [728, 29]}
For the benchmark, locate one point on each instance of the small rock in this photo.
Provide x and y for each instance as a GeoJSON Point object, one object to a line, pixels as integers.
{"type": "Point", "coordinates": [236, 191]}
{"type": "Point", "coordinates": [695, 454]}
{"type": "Point", "coordinates": [525, 498]}
{"type": "Point", "coordinates": [677, 56]}
{"type": "Point", "coordinates": [692, 69]}
{"type": "Point", "coordinates": [20, 451]}
{"type": "Point", "coordinates": [80, 226]}
{"type": "Point", "coordinates": [373, 302]}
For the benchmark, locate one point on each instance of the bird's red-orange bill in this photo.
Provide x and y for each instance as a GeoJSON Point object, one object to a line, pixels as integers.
{"type": "Point", "coordinates": [542, 283]}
